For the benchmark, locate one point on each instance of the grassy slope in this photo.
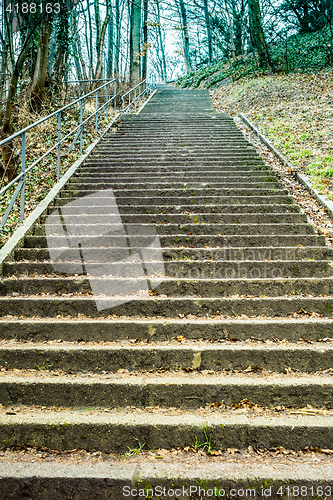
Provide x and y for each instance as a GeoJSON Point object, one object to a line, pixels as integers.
{"type": "Point", "coordinates": [307, 52]}
{"type": "Point", "coordinates": [294, 111]}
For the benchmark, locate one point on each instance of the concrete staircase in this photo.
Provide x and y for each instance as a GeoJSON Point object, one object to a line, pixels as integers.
{"type": "Point", "coordinates": [146, 332]}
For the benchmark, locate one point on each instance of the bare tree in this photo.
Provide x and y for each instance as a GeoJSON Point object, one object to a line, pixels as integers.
{"type": "Point", "coordinates": [186, 40]}
{"type": "Point", "coordinates": [135, 42]}
{"type": "Point", "coordinates": [209, 32]}
{"type": "Point", "coordinates": [257, 35]}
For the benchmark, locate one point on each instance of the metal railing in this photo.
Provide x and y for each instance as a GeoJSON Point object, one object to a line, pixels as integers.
{"type": "Point", "coordinates": [83, 85]}
{"type": "Point", "coordinates": [78, 131]}
{"type": "Point", "coordinates": [141, 90]}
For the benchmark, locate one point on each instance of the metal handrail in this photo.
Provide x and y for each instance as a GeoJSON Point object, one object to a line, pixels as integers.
{"type": "Point", "coordinates": [84, 85]}
{"type": "Point", "coordinates": [79, 130]}
{"type": "Point", "coordinates": [137, 95]}
{"type": "Point", "coordinates": [84, 81]}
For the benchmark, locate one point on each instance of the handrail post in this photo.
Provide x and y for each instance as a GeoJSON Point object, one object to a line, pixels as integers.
{"type": "Point", "coordinates": [96, 123]}
{"type": "Point", "coordinates": [107, 101]}
{"type": "Point", "coordinates": [135, 99]}
{"type": "Point", "coordinates": [58, 147]}
{"type": "Point", "coordinates": [115, 94]}
{"type": "Point", "coordinates": [123, 101]}
{"type": "Point", "coordinates": [81, 119]}
{"type": "Point", "coordinates": [23, 177]}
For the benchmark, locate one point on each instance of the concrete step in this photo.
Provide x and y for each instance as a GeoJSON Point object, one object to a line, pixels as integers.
{"type": "Point", "coordinates": [187, 241]}
{"type": "Point", "coordinates": [106, 167]}
{"type": "Point", "coordinates": [76, 215]}
{"type": "Point", "coordinates": [241, 199]}
{"type": "Point", "coordinates": [81, 206]}
{"type": "Point", "coordinates": [176, 390]}
{"type": "Point", "coordinates": [96, 228]}
{"type": "Point", "coordinates": [79, 191]}
{"type": "Point", "coordinates": [190, 154]}
{"type": "Point", "coordinates": [172, 287]}
{"type": "Point", "coordinates": [193, 254]}
{"type": "Point", "coordinates": [105, 263]}
{"type": "Point", "coordinates": [215, 142]}
{"type": "Point", "coordinates": [80, 183]}
{"type": "Point", "coordinates": [305, 328]}
{"type": "Point", "coordinates": [135, 161]}
{"type": "Point", "coordinates": [172, 179]}
{"type": "Point", "coordinates": [232, 472]}
{"type": "Point", "coordinates": [148, 306]}
{"type": "Point", "coordinates": [114, 431]}
{"type": "Point", "coordinates": [157, 357]}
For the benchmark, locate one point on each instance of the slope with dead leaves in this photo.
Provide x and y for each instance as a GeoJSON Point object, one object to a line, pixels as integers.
{"type": "Point", "coordinates": [295, 112]}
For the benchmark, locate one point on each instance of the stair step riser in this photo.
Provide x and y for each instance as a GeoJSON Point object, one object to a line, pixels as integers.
{"type": "Point", "coordinates": [68, 196]}
{"type": "Point", "coordinates": [82, 184]}
{"type": "Point", "coordinates": [99, 229]}
{"type": "Point", "coordinates": [188, 241]}
{"type": "Point", "coordinates": [177, 270]}
{"type": "Point", "coordinates": [177, 288]}
{"type": "Point", "coordinates": [241, 161]}
{"type": "Point", "coordinates": [99, 360]}
{"type": "Point", "coordinates": [169, 308]}
{"type": "Point", "coordinates": [97, 331]}
{"type": "Point", "coordinates": [195, 254]}
{"type": "Point", "coordinates": [77, 215]}
{"type": "Point", "coordinates": [254, 169]}
{"type": "Point", "coordinates": [120, 434]}
{"type": "Point", "coordinates": [95, 208]}
{"type": "Point", "coordinates": [191, 181]}
{"type": "Point", "coordinates": [162, 393]}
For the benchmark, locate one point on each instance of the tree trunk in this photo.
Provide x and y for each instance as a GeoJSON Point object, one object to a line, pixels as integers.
{"type": "Point", "coordinates": [63, 41]}
{"type": "Point", "coordinates": [257, 35]}
{"type": "Point", "coordinates": [117, 47]}
{"type": "Point", "coordinates": [9, 168]}
{"type": "Point", "coordinates": [231, 27]}
{"type": "Point", "coordinates": [209, 32]}
{"type": "Point", "coordinates": [161, 43]}
{"type": "Point", "coordinates": [145, 40]}
{"type": "Point", "coordinates": [135, 42]}
{"type": "Point", "coordinates": [78, 56]}
{"type": "Point", "coordinates": [186, 39]}
{"type": "Point", "coordinates": [5, 63]}
{"type": "Point", "coordinates": [40, 73]}
{"type": "Point", "coordinates": [75, 47]}
{"type": "Point", "coordinates": [100, 43]}
{"type": "Point", "coordinates": [90, 45]}
{"type": "Point", "coordinates": [109, 68]}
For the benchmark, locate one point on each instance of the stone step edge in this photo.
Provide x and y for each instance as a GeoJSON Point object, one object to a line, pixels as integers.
{"type": "Point", "coordinates": [112, 432]}
{"type": "Point", "coordinates": [192, 346]}
{"type": "Point", "coordinates": [171, 390]}
{"type": "Point", "coordinates": [79, 330]}
{"type": "Point", "coordinates": [116, 480]}
{"type": "Point", "coordinates": [168, 357]}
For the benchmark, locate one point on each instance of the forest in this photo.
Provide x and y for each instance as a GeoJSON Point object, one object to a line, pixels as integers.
{"type": "Point", "coordinates": [53, 52]}
{"type": "Point", "coordinates": [45, 44]}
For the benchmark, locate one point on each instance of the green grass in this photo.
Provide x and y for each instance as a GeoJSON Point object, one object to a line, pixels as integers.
{"type": "Point", "coordinates": [306, 52]}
